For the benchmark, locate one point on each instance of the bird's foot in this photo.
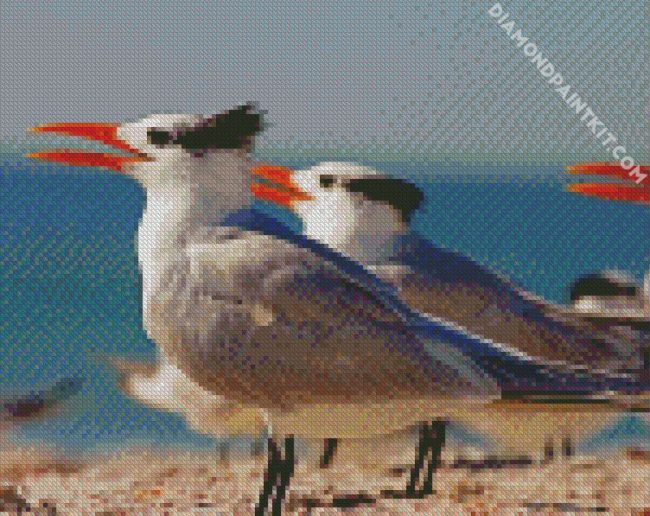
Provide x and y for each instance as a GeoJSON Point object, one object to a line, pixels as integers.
{"type": "Point", "coordinates": [340, 501]}
{"type": "Point", "coordinates": [405, 494]}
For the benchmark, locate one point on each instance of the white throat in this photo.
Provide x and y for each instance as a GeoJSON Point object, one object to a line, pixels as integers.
{"type": "Point", "coordinates": [362, 236]}
{"type": "Point", "coordinates": [179, 205]}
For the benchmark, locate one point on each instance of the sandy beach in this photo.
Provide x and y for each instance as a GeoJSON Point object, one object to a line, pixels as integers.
{"type": "Point", "coordinates": [155, 481]}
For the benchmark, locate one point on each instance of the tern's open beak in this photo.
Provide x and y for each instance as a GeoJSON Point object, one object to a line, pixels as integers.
{"type": "Point", "coordinates": [99, 132]}
{"type": "Point", "coordinates": [278, 186]}
{"type": "Point", "coordinates": [639, 192]}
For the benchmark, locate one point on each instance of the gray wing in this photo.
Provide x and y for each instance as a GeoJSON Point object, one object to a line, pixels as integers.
{"type": "Point", "coordinates": [265, 322]}
{"type": "Point", "coordinates": [540, 330]}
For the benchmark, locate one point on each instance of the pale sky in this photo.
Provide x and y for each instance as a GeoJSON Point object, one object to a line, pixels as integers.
{"type": "Point", "coordinates": [437, 77]}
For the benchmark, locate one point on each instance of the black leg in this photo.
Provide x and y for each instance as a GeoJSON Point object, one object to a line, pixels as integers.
{"type": "Point", "coordinates": [429, 450]}
{"type": "Point", "coordinates": [432, 439]}
{"type": "Point", "coordinates": [329, 450]}
{"type": "Point", "coordinates": [437, 440]}
{"type": "Point", "coordinates": [567, 447]}
{"type": "Point", "coordinates": [424, 444]}
{"type": "Point", "coordinates": [420, 456]}
{"type": "Point", "coordinates": [270, 477]}
{"type": "Point", "coordinates": [286, 472]}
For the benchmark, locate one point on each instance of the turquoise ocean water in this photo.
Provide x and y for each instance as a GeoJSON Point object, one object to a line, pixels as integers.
{"type": "Point", "coordinates": [69, 285]}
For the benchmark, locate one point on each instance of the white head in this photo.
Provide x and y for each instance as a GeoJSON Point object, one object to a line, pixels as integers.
{"type": "Point", "coordinates": [195, 170]}
{"type": "Point", "coordinates": [209, 154]}
{"type": "Point", "coordinates": [349, 207]}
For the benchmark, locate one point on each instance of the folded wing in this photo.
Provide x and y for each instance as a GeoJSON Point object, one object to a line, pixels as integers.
{"type": "Point", "coordinates": [453, 287]}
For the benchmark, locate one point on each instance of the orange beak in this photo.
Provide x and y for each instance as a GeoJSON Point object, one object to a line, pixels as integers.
{"type": "Point", "coordinates": [278, 186]}
{"type": "Point", "coordinates": [639, 193]}
{"type": "Point", "coordinates": [99, 132]}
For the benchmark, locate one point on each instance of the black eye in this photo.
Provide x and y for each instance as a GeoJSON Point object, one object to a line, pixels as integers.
{"type": "Point", "coordinates": [158, 137]}
{"type": "Point", "coordinates": [327, 181]}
